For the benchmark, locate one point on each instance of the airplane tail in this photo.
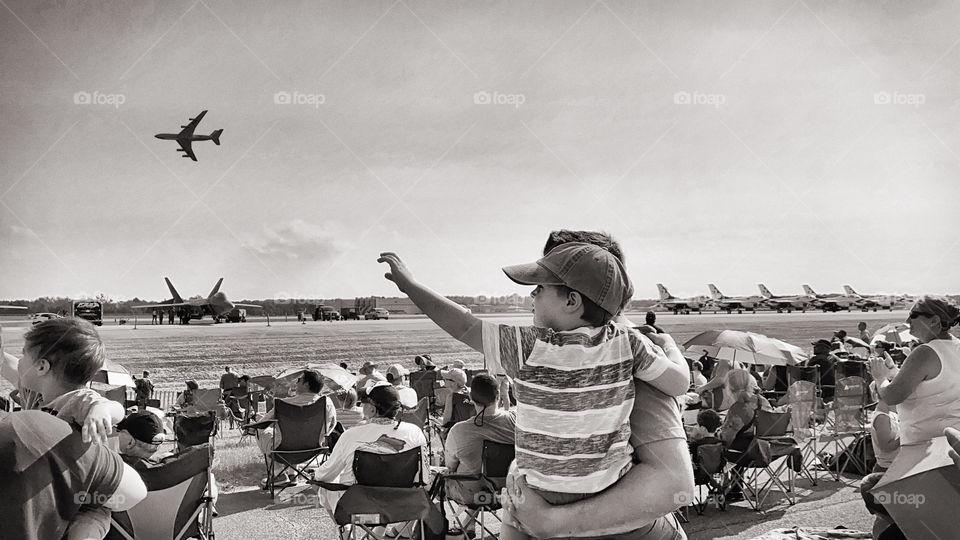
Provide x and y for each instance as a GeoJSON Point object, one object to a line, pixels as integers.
{"type": "Point", "coordinates": [215, 136]}
{"type": "Point", "coordinates": [664, 293]}
{"type": "Point", "coordinates": [714, 292]}
{"type": "Point", "coordinates": [176, 295]}
{"type": "Point", "coordinates": [849, 290]}
{"type": "Point", "coordinates": [808, 290]}
{"type": "Point", "coordinates": [764, 291]}
{"type": "Point", "coordinates": [216, 288]}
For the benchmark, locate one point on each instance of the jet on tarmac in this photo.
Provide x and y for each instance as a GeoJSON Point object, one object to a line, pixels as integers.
{"type": "Point", "coordinates": [186, 136]}
{"type": "Point", "coordinates": [730, 303]}
{"type": "Point", "coordinates": [215, 304]}
{"type": "Point", "coordinates": [874, 301]}
{"type": "Point", "coordinates": [788, 303]}
{"type": "Point", "coordinates": [676, 305]}
{"type": "Point", "coordinates": [832, 301]}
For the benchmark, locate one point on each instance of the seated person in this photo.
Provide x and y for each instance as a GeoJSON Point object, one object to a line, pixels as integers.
{"type": "Point", "coordinates": [464, 446]}
{"type": "Point", "coordinates": [308, 387]}
{"type": "Point", "coordinates": [714, 393]}
{"type": "Point", "coordinates": [826, 361]}
{"type": "Point", "coordinates": [708, 421]}
{"type": "Point", "coordinates": [50, 477]}
{"type": "Point", "coordinates": [424, 362]}
{"type": "Point", "coordinates": [349, 414]}
{"type": "Point", "coordinates": [746, 392]}
{"type": "Point", "coordinates": [186, 399]}
{"type": "Point", "coordinates": [455, 382]}
{"type": "Point", "coordinates": [408, 396]}
{"type": "Point", "coordinates": [368, 374]}
{"type": "Point", "coordinates": [140, 435]}
{"type": "Point", "coordinates": [885, 438]}
{"type": "Point", "coordinates": [696, 375]}
{"type": "Point", "coordinates": [382, 434]}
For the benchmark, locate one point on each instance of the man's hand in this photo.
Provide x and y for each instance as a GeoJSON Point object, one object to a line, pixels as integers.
{"type": "Point", "coordinates": [663, 340]}
{"type": "Point", "coordinates": [953, 437]}
{"type": "Point", "coordinates": [399, 273]}
{"type": "Point", "coordinates": [526, 508]}
{"type": "Point", "coordinates": [99, 424]}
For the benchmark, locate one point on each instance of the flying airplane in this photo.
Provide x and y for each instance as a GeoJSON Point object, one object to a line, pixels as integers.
{"type": "Point", "coordinates": [832, 301]}
{"type": "Point", "coordinates": [873, 301]}
{"type": "Point", "coordinates": [676, 305]}
{"type": "Point", "coordinates": [186, 137]}
{"type": "Point", "coordinates": [215, 304]}
{"type": "Point", "coordinates": [730, 303]}
{"type": "Point", "coordinates": [781, 303]}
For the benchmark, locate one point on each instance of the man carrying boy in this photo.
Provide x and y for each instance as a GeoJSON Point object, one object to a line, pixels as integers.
{"type": "Point", "coordinates": [574, 369]}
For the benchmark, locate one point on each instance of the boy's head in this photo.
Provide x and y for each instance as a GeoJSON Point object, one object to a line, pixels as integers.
{"type": "Point", "coordinates": [576, 283]}
{"type": "Point", "coordinates": [709, 419]}
{"type": "Point", "coordinates": [565, 236]}
{"type": "Point", "coordinates": [69, 350]}
{"type": "Point", "coordinates": [484, 391]}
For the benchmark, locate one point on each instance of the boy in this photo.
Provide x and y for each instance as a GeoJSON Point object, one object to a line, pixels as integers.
{"type": "Point", "coordinates": [573, 369]}
{"type": "Point", "coordinates": [708, 422]}
{"type": "Point", "coordinates": [60, 357]}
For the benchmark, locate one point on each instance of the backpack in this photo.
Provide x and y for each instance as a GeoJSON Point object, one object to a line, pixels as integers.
{"type": "Point", "coordinates": [862, 445]}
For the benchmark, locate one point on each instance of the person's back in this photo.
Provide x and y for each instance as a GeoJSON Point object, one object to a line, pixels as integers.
{"type": "Point", "coordinates": [935, 404]}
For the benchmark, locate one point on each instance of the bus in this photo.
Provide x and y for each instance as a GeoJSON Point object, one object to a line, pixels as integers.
{"type": "Point", "coordinates": [90, 310]}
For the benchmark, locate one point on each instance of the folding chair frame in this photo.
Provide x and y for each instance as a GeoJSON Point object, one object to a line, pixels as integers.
{"type": "Point", "coordinates": [808, 444]}
{"type": "Point", "coordinates": [756, 493]}
{"type": "Point", "coordinates": [836, 439]}
{"type": "Point", "coordinates": [487, 476]}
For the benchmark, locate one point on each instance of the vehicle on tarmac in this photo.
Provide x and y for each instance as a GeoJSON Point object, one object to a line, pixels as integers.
{"type": "Point", "coordinates": [40, 317]}
{"type": "Point", "coordinates": [91, 310]}
{"type": "Point", "coordinates": [236, 315]}
{"type": "Point", "coordinates": [326, 313]}
{"type": "Point", "coordinates": [350, 314]}
{"type": "Point", "coordinates": [377, 314]}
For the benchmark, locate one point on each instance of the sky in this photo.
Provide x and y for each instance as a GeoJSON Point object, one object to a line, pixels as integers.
{"type": "Point", "coordinates": [730, 143]}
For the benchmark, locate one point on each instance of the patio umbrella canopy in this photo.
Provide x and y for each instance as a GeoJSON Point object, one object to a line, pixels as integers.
{"type": "Point", "coordinates": [113, 374]}
{"type": "Point", "coordinates": [747, 347]}
{"type": "Point", "coordinates": [898, 333]}
{"type": "Point", "coordinates": [334, 376]}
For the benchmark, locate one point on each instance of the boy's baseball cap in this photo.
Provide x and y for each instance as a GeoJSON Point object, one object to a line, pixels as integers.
{"type": "Point", "coordinates": [588, 269]}
{"type": "Point", "coordinates": [143, 426]}
{"type": "Point", "coordinates": [380, 394]}
{"type": "Point", "coordinates": [455, 375]}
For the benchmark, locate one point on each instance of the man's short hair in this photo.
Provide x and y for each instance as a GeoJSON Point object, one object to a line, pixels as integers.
{"type": "Point", "coordinates": [146, 373]}
{"type": "Point", "coordinates": [597, 238]}
{"type": "Point", "coordinates": [484, 389]}
{"type": "Point", "coordinates": [314, 381]}
{"type": "Point", "coordinates": [709, 419]}
{"type": "Point", "coordinates": [72, 346]}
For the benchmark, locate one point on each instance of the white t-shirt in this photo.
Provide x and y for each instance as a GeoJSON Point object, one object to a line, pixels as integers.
{"type": "Point", "coordinates": [380, 436]}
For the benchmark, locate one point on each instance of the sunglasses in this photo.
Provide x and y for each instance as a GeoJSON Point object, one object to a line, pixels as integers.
{"type": "Point", "coordinates": [915, 314]}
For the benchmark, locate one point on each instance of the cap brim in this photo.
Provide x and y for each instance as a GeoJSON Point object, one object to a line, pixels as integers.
{"type": "Point", "coordinates": [531, 274]}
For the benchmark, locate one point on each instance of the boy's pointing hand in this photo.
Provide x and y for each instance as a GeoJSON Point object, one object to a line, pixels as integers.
{"type": "Point", "coordinates": [399, 273]}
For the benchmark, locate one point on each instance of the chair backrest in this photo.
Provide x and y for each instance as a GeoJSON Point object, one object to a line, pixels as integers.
{"type": "Point", "coordinates": [206, 399]}
{"type": "Point", "coordinates": [772, 424]}
{"type": "Point", "coordinates": [852, 368]}
{"type": "Point", "coordinates": [803, 373]}
{"type": "Point", "coordinates": [388, 470]}
{"type": "Point", "coordinates": [463, 408]}
{"type": "Point", "coordinates": [495, 458]}
{"type": "Point", "coordinates": [802, 396]}
{"type": "Point", "coordinates": [710, 458]}
{"type": "Point", "coordinates": [471, 373]}
{"type": "Point", "coordinates": [194, 430]}
{"type": "Point", "coordinates": [419, 415]}
{"type": "Point", "coordinates": [850, 398]}
{"type": "Point", "coordinates": [302, 427]}
{"type": "Point", "coordinates": [175, 492]}
{"type": "Point", "coordinates": [424, 382]}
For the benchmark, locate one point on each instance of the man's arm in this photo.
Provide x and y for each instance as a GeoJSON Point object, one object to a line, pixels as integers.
{"type": "Point", "coordinates": [448, 315]}
{"type": "Point", "coordinates": [658, 485]}
{"type": "Point", "coordinates": [130, 491]}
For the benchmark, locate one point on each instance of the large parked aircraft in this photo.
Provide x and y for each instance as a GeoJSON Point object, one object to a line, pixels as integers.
{"type": "Point", "coordinates": [676, 305]}
{"type": "Point", "coordinates": [875, 301]}
{"type": "Point", "coordinates": [13, 307]}
{"type": "Point", "coordinates": [832, 301]}
{"type": "Point", "coordinates": [781, 303]}
{"type": "Point", "coordinates": [730, 303]}
{"type": "Point", "coordinates": [215, 304]}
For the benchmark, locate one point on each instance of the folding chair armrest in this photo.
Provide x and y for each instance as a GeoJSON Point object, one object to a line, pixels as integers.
{"type": "Point", "coordinates": [329, 486]}
{"type": "Point", "coordinates": [462, 476]}
{"type": "Point", "coordinates": [319, 449]}
{"type": "Point", "coordinates": [263, 424]}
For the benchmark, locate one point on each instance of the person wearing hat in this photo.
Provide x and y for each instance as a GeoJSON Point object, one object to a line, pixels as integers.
{"type": "Point", "coordinates": [140, 435]}
{"type": "Point", "coordinates": [580, 288]}
{"type": "Point", "coordinates": [839, 340]}
{"type": "Point", "coordinates": [824, 359]}
{"type": "Point", "coordinates": [395, 375]}
{"type": "Point", "coordinates": [456, 401]}
{"type": "Point", "coordinates": [368, 374]}
{"type": "Point", "coordinates": [424, 362]}
{"type": "Point", "coordinates": [382, 434]}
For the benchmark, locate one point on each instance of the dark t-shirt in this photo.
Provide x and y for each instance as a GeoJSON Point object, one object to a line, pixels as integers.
{"type": "Point", "coordinates": [47, 473]}
{"type": "Point", "coordinates": [228, 381]}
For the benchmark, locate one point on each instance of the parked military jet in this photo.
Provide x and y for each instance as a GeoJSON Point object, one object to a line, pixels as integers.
{"type": "Point", "coordinates": [215, 304]}
{"type": "Point", "coordinates": [676, 305]}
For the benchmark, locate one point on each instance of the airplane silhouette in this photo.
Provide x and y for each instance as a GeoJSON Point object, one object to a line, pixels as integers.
{"type": "Point", "coordinates": [186, 137]}
{"type": "Point", "coordinates": [215, 304]}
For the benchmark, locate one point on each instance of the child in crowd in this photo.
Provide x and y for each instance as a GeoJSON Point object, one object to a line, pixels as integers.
{"type": "Point", "coordinates": [696, 375]}
{"type": "Point", "coordinates": [60, 358]}
{"type": "Point", "coordinates": [573, 369]}
{"type": "Point", "coordinates": [708, 421]}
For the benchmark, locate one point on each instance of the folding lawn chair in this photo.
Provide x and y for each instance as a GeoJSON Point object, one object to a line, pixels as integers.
{"type": "Point", "coordinates": [708, 466]}
{"type": "Point", "coordinates": [480, 492]}
{"type": "Point", "coordinates": [760, 470]}
{"type": "Point", "coordinates": [301, 430]}
{"type": "Point", "coordinates": [850, 423]}
{"type": "Point", "coordinates": [420, 417]}
{"type": "Point", "coordinates": [424, 382]}
{"type": "Point", "coordinates": [195, 430]}
{"type": "Point", "coordinates": [389, 489]}
{"type": "Point", "coordinates": [804, 403]}
{"type": "Point", "coordinates": [178, 504]}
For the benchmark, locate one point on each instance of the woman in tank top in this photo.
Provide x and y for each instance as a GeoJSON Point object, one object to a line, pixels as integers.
{"type": "Point", "coordinates": [926, 390]}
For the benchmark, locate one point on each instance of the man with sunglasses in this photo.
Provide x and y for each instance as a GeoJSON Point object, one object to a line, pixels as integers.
{"type": "Point", "coordinates": [464, 446]}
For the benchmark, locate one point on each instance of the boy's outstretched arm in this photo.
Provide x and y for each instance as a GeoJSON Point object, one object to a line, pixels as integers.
{"type": "Point", "coordinates": [448, 315]}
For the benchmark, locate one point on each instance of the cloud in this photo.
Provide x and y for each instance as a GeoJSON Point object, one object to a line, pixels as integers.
{"type": "Point", "coordinates": [298, 240]}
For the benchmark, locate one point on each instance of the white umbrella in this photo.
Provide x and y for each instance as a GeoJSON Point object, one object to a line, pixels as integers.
{"type": "Point", "coordinates": [898, 333]}
{"type": "Point", "coordinates": [747, 347]}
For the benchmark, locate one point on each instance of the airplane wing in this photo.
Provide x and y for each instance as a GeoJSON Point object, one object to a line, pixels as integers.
{"type": "Point", "coordinates": [188, 129]}
{"type": "Point", "coordinates": [187, 148]}
{"type": "Point", "coordinates": [163, 305]}
{"type": "Point", "coordinates": [247, 305]}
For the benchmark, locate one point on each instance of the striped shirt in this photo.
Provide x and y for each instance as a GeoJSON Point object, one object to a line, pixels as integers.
{"type": "Point", "coordinates": [574, 393]}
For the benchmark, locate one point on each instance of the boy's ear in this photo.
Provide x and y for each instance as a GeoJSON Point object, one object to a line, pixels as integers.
{"type": "Point", "coordinates": [42, 365]}
{"type": "Point", "coordinates": [574, 301]}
